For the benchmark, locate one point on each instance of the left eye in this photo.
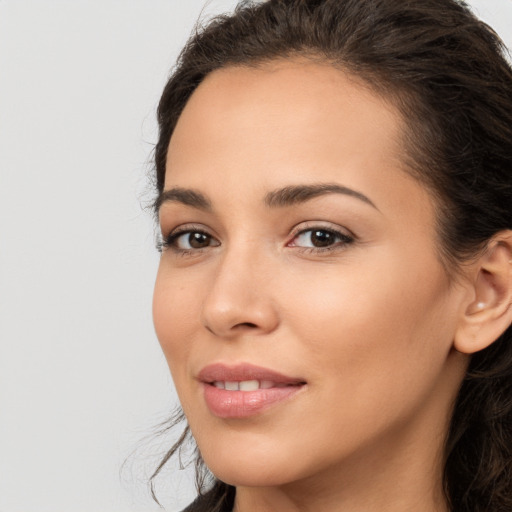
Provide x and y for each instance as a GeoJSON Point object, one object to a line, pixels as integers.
{"type": "Point", "coordinates": [190, 240]}
{"type": "Point", "coordinates": [320, 238]}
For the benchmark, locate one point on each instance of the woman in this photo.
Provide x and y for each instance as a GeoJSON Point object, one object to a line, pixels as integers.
{"type": "Point", "coordinates": [334, 296]}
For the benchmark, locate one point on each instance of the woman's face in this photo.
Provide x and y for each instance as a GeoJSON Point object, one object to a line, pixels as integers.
{"type": "Point", "coordinates": [300, 260]}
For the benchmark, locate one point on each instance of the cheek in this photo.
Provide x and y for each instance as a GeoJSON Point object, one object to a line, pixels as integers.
{"type": "Point", "coordinates": [374, 326]}
{"type": "Point", "coordinates": [175, 317]}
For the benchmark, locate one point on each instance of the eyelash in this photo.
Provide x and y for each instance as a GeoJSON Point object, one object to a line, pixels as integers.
{"type": "Point", "coordinates": [343, 240]}
{"type": "Point", "coordinates": [169, 241]}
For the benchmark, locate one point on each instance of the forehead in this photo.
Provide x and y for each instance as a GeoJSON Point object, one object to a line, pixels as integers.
{"type": "Point", "coordinates": [281, 107]}
{"type": "Point", "coordinates": [285, 122]}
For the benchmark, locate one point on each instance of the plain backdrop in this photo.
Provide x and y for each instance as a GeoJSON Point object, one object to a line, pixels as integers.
{"type": "Point", "coordinates": [82, 378]}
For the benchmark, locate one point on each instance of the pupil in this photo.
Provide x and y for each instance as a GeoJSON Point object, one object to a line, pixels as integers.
{"type": "Point", "coordinates": [198, 240]}
{"type": "Point", "coordinates": [321, 238]}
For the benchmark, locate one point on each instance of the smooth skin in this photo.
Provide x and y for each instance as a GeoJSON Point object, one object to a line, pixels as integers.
{"type": "Point", "coordinates": [343, 288]}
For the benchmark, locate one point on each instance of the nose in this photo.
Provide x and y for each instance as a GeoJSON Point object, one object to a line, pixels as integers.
{"type": "Point", "coordinates": [239, 299]}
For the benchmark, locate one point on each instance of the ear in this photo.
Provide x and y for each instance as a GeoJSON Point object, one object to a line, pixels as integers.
{"type": "Point", "coordinates": [489, 312]}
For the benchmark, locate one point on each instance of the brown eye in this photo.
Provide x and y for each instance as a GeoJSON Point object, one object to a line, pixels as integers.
{"type": "Point", "coordinates": [190, 240]}
{"type": "Point", "coordinates": [198, 240]}
{"type": "Point", "coordinates": [320, 238]}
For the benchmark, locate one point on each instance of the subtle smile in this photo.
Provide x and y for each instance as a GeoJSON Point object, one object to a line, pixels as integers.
{"type": "Point", "coordinates": [249, 385]}
{"type": "Point", "coordinates": [245, 390]}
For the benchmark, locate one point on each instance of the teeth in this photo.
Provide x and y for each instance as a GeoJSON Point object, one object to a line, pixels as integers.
{"type": "Point", "coordinates": [245, 385]}
{"type": "Point", "coordinates": [249, 385]}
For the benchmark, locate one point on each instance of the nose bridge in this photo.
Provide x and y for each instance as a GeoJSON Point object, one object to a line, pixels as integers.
{"type": "Point", "coordinates": [238, 298]}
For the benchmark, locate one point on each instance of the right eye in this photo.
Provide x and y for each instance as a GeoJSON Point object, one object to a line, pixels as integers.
{"type": "Point", "coordinates": [190, 240]}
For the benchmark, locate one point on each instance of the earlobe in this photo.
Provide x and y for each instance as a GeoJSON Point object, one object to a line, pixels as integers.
{"type": "Point", "coordinates": [489, 313]}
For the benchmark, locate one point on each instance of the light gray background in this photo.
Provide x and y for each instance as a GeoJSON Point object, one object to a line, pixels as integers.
{"type": "Point", "coordinates": [82, 379]}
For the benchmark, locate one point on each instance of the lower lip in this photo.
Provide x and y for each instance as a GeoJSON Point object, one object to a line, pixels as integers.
{"type": "Point", "coordinates": [243, 404]}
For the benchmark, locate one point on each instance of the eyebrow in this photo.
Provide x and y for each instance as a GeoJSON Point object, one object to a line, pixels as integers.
{"type": "Point", "coordinates": [286, 196]}
{"type": "Point", "coordinates": [186, 196]}
{"type": "Point", "coordinates": [301, 193]}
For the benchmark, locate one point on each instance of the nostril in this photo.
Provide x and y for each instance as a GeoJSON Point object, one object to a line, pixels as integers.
{"type": "Point", "coordinates": [247, 324]}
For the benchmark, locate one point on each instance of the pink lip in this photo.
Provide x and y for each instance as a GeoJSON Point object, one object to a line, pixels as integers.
{"type": "Point", "coordinates": [242, 404]}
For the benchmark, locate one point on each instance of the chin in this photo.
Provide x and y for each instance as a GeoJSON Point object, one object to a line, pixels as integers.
{"type": "Point", "coordinates": [263, 474]}
{"type": "Point", "coordinates": [252, 465]}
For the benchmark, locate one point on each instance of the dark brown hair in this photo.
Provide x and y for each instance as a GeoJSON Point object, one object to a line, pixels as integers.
{"type": "Point", "coordinates": [446, 72]}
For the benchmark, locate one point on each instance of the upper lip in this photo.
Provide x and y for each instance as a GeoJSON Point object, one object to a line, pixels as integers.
{"type": "Point", "coordinates": [219, 372]}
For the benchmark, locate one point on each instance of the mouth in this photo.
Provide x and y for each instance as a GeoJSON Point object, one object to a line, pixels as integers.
{"type": "Point", "coordinates": [248, 385]}
{"type": "Point", "coordinates": [245, 390]}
